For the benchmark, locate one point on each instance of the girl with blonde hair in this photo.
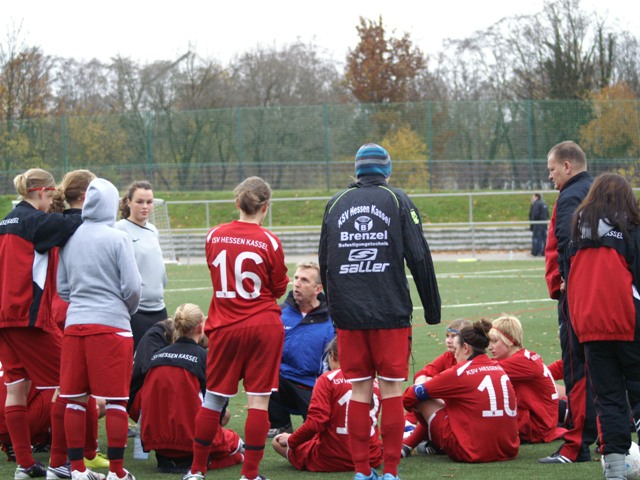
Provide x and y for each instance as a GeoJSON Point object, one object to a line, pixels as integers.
{"type": "Point", "coordinates": [172, 394]}
{"type": "Point", "coordinates": [30, 340]}
{"type": "Point", "coordinates": [532, 381]}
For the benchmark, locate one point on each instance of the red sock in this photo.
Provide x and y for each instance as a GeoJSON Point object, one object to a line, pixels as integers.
{"type": "Point", "coordinates": [18, 427]}
{"type": "Point", "coordinates": [392, 430]}
{"type": "Point", "coordinates": [255, 436]}
{"type": "Point", "coordinates": [58, 435]}
{"type": "Point", "coordinates": [91, 433]}
{"type": "Point", "coordinates": [418, 435]}
{"type": "Point", "coordinates": [207, 424]}
{"type": "Point", "coordinates": [74, 424]}
{"type": "Point", "coordinates": [359, 427]}
{"type": "Point", "coordinates": [117, 423]}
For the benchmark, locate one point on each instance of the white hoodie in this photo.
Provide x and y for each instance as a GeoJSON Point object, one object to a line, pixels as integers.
{"type": "Point", "coordinates": [97, 271]}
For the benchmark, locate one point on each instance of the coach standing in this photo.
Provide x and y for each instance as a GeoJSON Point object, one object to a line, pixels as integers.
{"type": "Point", "coordinates": [368, 232]}
{"type": "Point", "coordinates": [567, 166]}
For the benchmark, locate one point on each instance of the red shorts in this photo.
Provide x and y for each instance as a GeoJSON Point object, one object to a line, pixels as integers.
{"type": "Point", "coordinates": [310, 456]}
{"type": "Point", "coordinates": [97, 364]}
{"type": "Point", "coordinates": [250, 350]}
{"type": "Point", "coordinates": [30, 353]}
{"type": "Point", "coordinates": [363, 353]}
{"type": "Point", "coordinates": [441, 435]}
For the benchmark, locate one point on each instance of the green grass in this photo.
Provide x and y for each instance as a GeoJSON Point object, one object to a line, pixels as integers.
{"type": "Point", "coordinates": [470, 290]}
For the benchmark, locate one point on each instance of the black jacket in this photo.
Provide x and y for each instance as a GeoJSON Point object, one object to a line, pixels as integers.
{"type": "Point", "coordinates": [539, 211]}
{"type": "Point", "coordinates": [571, 195]}
{"type": "Point", "coordinates": [368, 232]}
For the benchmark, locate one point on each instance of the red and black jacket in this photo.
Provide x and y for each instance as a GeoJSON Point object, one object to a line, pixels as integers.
{"type": "Point", "coordinates": [27, 266]}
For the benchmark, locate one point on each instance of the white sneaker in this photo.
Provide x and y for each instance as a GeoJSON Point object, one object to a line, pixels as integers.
{"type": "Point", "coordinates": [127, 476]}
{"type": "Point", "coordinates": [193, 476]}
{"type": "Point", "coordinates": [86, 475]}
{"type": "Point", "coordinates": [59, 473]}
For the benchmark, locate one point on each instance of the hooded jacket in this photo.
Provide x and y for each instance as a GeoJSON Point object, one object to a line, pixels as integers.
{"type": "Point", "coordinates": [97, 272]}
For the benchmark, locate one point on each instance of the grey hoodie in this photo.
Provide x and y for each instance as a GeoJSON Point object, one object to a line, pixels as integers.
{"type": "Point", "coordinates": [97, 272]}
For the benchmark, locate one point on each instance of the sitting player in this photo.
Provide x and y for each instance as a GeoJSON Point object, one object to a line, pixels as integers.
{"type": "Point", "coordinates": [38, 416]}
{"type": "Point", "coordinates": [536, 391]}
{"type": "Point", "coordinates": [469, 409]}
{"type": "Point", "coordinates": [171, 396]}
{"type": "Point", "coordinates": [321, 444]}
{"type": "Point", "coordinates": [418, 434]}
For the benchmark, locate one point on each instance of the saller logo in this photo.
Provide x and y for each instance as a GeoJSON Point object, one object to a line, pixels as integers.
{"type": "Point", "coordinates": [362, 254]}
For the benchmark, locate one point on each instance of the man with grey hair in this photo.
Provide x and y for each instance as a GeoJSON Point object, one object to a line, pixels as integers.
{"type": "Point", "coordinates": [307, 332]}
{"type": "Point", "coordinates": [567, 165]}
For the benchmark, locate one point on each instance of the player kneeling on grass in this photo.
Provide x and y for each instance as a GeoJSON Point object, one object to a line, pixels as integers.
{"type": "Point", "coordinates": [469, 409]}
{"type": "Point", "coordinates": [172, 395]}
{"type": "Point", "coordinates": [321, 444]}
{"type": "Point", "coordinates": [535, 389]}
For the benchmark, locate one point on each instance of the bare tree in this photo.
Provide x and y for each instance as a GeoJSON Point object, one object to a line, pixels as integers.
{"type": "Point", "coordinates": [296, 74]}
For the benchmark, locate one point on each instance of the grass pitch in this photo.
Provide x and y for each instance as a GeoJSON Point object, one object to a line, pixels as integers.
{"type": "Point", "coordinates": [469, 290]}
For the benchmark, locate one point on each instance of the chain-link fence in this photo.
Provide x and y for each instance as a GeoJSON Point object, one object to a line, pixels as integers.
{"type": "Point", "coordinates": [435, 145]}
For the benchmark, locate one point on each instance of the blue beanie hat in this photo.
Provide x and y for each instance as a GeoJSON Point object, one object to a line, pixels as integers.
{"type": "Point", "coordinates": [372, 159]}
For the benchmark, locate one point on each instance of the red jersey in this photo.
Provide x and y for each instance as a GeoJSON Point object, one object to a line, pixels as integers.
{"type": "Point", "coordinates": [481, 407]}
{"type": "Point", "coordinates": [440, 364]}
{"type": "Point", "coordinates": [552, 270]}
{"type": "Point", "coordinates": [556, 370]}
{"type": "Point", "coordinates": [248, 272]}
{"type": "Point", "coordinates": [321, 444]}
{"type": "Point", "coordinates": [536, 394]}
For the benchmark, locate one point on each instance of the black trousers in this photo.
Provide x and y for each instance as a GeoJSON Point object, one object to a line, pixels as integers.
{"type": "Point", "coordinates": [291, 397]}
{"type": "Point", "coordinates": [614, 370]}
{"type": "Point", "coordinates": [143, 321]}
{"type": "Point", "coordinates": [583, 430]}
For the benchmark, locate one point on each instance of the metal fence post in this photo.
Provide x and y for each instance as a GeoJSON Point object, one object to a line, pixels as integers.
{"type": "Point", "coordinates": [149, 147]}
{"type": "Point", "coordinates": [473, 229]}
{"type": "Point", "coordinates": [65, 160]}
{"type": "Point", "coordinates": [239, 146]}
{"type": "Point", "coordinates": [327, 153]}
{"type": "Point", "coordinates": [429, 146]}
{"type": "Point", "coordinates": [530, 140]}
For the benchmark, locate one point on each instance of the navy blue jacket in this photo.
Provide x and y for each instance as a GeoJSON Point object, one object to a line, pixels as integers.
{"type": "Point", "coordinates": [571, 195]}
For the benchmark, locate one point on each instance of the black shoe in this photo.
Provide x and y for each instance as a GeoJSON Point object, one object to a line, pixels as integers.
{"type": "Point", "coordinates": [8, 449]}
{"type": "Point", "coordinates": [555, 458]}
{"type": "Point", "coordinates": [38, 448]}
{"type": "Point", "coordinates": [173, 465]}
{"type": "Point", "coordinates": [278, 430]}
{"type": "Point", "coordinates": [406, 451]}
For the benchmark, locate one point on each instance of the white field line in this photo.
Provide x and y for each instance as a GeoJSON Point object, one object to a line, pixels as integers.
{"type": "Point", "coordinates": [486, 304]}
{"type": "Point", "coordinates": [410, 277]}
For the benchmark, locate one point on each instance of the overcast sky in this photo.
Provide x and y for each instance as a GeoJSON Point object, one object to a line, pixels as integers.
{"type": "Point", "coordinates": [160, 30]}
